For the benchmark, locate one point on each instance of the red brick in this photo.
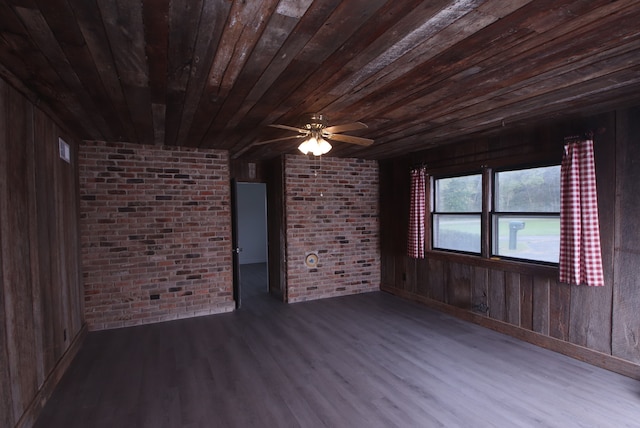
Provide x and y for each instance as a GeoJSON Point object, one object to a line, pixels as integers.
{"type": "Point", "coordinates": [331, 216]}
{"type": "Point", "coordinates": [150, 203]}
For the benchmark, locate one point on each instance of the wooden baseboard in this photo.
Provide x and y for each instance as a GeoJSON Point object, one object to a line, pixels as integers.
{"type": "Point", "coordinates": [32, 412]}
{"type": "Point", "coordinates": [590, 356]}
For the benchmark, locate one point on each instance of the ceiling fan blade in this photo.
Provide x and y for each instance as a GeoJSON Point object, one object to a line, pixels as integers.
{"type": "Point", "coordinates": [346, 127]}
{"type": "Point", "coordinates": [351, 139]}
{"type": "Point", "coordinates": [288, 128]}
{"type": "Point", "coordinates": [240, 152]}
{"type": "Point", "coordinates": [259, 143]}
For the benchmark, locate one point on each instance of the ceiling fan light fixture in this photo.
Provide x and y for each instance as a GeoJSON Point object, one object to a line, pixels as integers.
{"type": "Point", "coordinates": [316, 132]}
{"type": "Point", "coordinates": [323, 147]}
{"type": "Point", "coordinates": [305, 146]}
{"type": "Point", "coordinates": [318, 146]}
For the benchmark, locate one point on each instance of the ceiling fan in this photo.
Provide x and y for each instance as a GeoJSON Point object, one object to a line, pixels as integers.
{"type": "Point", "coordinates": [316, 132]}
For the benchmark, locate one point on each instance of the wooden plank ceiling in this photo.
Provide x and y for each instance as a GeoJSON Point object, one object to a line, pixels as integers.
{"type": "Point", "coordinates": [215, 73]}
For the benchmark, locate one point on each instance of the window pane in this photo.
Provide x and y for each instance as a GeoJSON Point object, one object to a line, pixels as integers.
{"type": "Point", "coordinates": [459, 194]}
{"type": "Point", "coordinates": [528, 190]}
{"type": "Point", "coordinates": [457, 232]}
{"type": "Point", "coordinates": [531, 237]}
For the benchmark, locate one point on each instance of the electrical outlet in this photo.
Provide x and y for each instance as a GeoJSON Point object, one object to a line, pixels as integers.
{"type": "Point", "coordinates": [481, 307]}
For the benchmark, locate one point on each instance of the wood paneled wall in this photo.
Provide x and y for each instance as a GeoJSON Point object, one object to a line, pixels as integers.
{"type": "Point", "coordinates": [41, 316]}
{"type": "Point", "coordinates": [626, 252]}
{"type": "Point", "coordinates": [249, 171]}
{"type": "Point", "coordinates": [596, 324]}
{"type": "Point", "coordinates": [277, 227]}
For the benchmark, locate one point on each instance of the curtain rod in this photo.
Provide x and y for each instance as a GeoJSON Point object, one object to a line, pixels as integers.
{"type": "Point", "coordinates": [588, 135]}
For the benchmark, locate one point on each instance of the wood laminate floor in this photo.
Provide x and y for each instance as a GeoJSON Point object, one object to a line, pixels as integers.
{"type": "Point", "coordinates": [369, 360]}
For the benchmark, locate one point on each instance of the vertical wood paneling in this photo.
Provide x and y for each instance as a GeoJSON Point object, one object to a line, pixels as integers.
{"type": "Point", "coordinates": [6, 403]}
{"type": "Point", "coordinates": [480, 288]}
{"type": "Point", "coordinates": [422, 278]}
{"type": "Point", "coordinates": [626, 316]}
{"type": "Point", "coordinates": [512, 298]}
{"type": "Point", "coordinates": [411, 269]}
{"type": "Point", "coordinates": [436, 280]}
{"type": "Point", "coordinates": [459, 285]}
{"type": "Point", "coordinates": [400, 278]}
{"type": "Point", "coordinates": [388, 239]}
{"type": "Point", "coordinates": [49, 306]}
{"type": "Point", "coordinates": [387, 270]}
{"type": "Point", "coordinates": [497, 302]}
{"type": "Point", "coordinates": [399, 213]}
{"type": "Point", "coordinates": [67, 209]}
{"type": "Point", "coordinates": [67, 192]}
{"type": "Point", "coordinates": [590, 319]}
{"type": "Point", "coordinates": [559, 305]}
{"type": "Point", "coordinates": [526, 302]}
{"type": "Point", "coordinates": [38, 233]}
{"type": "Point", "coordinates": [52, 224]}
{"type": "Point", "coordinates": [34, 250]}
{"type": "Point", "coordinates": [626, 297]}
{"type": "Point", "coordinates": [15, 245]}
{"type": "Point", "coordinates": [541, 305]}
{"type": "Point", "coordinates": [276, 229]}
{"type": "Point", "coordinates": [249, 172]}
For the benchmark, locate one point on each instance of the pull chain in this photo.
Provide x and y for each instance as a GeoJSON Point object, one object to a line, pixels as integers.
{"type": "Point", "coordinates": [316, 167]}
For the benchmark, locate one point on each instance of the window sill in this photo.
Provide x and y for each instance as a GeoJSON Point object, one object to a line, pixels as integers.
{"type": "Point", "coordinates": [494, 263]}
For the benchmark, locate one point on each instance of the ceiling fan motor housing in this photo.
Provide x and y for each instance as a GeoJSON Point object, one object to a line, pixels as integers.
{"type": "Point", "coordinates": [316, 121]}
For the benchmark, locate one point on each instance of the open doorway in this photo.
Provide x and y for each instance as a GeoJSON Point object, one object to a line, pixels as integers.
{"type": "Point", "coordinates": [251, 206]}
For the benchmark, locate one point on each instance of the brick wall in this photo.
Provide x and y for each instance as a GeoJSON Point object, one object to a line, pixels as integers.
{"type": "Point", "coordinates": [332, 209]}
{"type": "Point", "coordinates": [156, 233]}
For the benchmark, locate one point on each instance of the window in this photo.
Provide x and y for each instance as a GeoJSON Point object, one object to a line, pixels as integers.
{"type": "Point", "coordinates": [457, 213]}
{"type": "Point", "coordinates": [520, 220]}
{"type": "Point", "coordinates": [526, 218]}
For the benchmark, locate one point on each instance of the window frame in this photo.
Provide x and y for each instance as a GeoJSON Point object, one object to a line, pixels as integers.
{"type": "Point", "coordinates": [487, 214]}
{"type": "Point", "coordinates": [494, 214]}
{"type": "Point", "coordinates": [434, 212]}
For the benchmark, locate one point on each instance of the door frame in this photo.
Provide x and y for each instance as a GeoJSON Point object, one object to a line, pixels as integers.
{"type": "Point", "coordinates": [272, 173]}
{"type": "Point", "coordinates": [235, 250]}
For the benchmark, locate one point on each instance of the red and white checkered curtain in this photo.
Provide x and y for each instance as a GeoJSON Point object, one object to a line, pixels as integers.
{"type": "Point", "coordinates": [580, 257]}
{"type": "Point", "coordinates": [415, 241]}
